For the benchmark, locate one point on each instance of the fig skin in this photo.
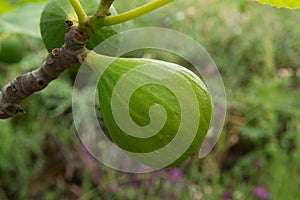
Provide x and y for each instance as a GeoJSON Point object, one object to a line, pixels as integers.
{"type": "Point", "coordinates": [144, 97]}
{"type": "Point", "coordinates": [12, 49]}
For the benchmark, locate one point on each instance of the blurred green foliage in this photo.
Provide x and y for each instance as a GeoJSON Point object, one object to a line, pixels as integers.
{"type": "Point", "coordinates": [257, 49]}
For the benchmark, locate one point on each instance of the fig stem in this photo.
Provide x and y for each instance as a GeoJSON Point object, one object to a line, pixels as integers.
{"type": "Point", "coordinates": [82, 16]}
{"type": "Point", "coordinates": [104, 6]}
{"type": "Point", "coordinates": [134, 13]}
{"type": "Point", "coordinates": [96, 20]}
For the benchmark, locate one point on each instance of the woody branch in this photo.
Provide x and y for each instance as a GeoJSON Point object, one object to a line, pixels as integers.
{"type": "Point", "coordinates": [57, 61]}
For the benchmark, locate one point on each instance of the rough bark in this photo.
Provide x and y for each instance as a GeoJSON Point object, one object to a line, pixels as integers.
{"type": "Point", "coordinates": [60, 59]}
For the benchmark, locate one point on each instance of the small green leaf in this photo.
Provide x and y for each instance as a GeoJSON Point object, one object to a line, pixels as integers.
{"type": "Point", "coordinates": [25, 19]}
{"type": "Point", "coordinates": [291, 4]}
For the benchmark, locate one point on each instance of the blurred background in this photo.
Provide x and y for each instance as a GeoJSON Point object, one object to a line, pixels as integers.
{"type": "Point", "coordinates": [257, 50]}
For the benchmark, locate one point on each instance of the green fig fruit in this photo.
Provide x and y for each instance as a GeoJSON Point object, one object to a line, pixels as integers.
{"type": "Point", "coordinates": [158, 112]}
{"type": "Point", "coordinates": [12, 48]}
{"type": "Point", "coordinates": [57, 12]}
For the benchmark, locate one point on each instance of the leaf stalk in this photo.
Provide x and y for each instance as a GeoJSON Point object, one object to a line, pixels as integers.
{"type": "Point", "coordinates": [82, 16]}
{"type": "Point", "coordinates": [134, 13]}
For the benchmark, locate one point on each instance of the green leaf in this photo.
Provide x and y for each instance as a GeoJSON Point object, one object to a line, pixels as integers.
{"type": "Point", "coordinates": [291, 4]}
{"type": "Point", "coordinates": [24, 19]}
{"type": "Point", "coordinates": [5, 6]}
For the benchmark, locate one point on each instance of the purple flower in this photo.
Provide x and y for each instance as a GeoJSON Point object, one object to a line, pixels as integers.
{"type": "Point", "coordinates": [135, 182]}
{"type": "Point", "coordinates": [175, 175]}
{"type": "Point", "coordinates": [261, 192]}
{"type": "Point", "coordinates": [227, 196]}
{"type": "Point", "coordinates": [92, 164]}
{"type": "Point", "coordinates": [258, 164]}
{"type": "Point", "coordinates": [149, 184]}
{"type": "Point", "coordinates": [113, 187]}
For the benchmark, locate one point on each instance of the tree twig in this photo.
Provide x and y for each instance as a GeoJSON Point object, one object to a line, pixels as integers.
{"type": "Point", "coordinates": [60, 59]}
{"type": "Point", "coordinates": [104, 6]}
